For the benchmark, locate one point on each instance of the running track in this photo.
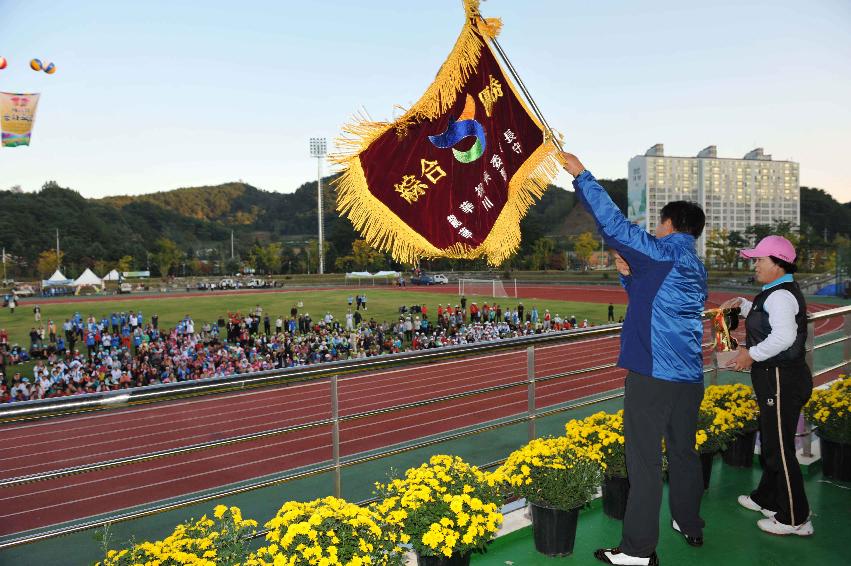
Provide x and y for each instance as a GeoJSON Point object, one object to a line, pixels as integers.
{"type": "Point", "coordinates": [41, 446]}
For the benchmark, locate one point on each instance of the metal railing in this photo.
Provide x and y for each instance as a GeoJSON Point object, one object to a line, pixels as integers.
{"type": "Point", "coordinates": [331, 371]}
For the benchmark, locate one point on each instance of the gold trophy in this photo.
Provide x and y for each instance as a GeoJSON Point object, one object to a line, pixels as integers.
{"type": "Point", "coordinates": [724, 321]}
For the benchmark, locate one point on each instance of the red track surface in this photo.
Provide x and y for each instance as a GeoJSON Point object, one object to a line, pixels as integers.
{"type": "Point", "coordinates": [60, 443]}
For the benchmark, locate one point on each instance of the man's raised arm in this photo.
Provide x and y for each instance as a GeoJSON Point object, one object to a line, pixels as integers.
{"type": "Point", "coordinates": [618, 231]}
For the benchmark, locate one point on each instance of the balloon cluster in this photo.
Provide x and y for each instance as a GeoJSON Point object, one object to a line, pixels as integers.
{"type": "Point", "coordinates": [37, 65]}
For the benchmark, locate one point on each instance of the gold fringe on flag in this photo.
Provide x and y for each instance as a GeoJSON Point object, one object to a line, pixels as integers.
{"type": "Point", "coordinates": [385, 231]}
{"type": "Point", "coordinates": [528, 184]}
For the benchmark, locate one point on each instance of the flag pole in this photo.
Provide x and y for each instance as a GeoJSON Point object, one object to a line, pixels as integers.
{"type": "Point", "coordinates": [523, 88]}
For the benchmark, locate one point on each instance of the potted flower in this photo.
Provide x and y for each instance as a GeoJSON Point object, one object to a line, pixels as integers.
{"type": "Point", "coordinates": [205, 542]}
{"type": "Point", "coordinates": [605, 431]}
{"type": "Point", "coordinates": [829, 410]}
{"type": "Point", "coordinates": [715, 429]}
{"type": "Point", "coordinates": [328, 531]}
{"type": "Point", "coordinates": [558, 477]}
{"type": "Point", "coordinates": [446, 509]}
{"type": "Point", "coordinates": [739, 401]}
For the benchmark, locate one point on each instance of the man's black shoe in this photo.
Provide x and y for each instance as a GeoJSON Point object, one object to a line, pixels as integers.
{"type": "Point", "coordinates": [615, 556]}
{"type": "Point", "coordinates": [692, 541]}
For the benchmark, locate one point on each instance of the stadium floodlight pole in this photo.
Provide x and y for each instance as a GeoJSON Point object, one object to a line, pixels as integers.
{"type": "Point", "coordinates": [318, 149]}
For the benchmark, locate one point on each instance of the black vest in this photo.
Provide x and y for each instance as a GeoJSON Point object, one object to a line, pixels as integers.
{"type": "Point", "coordinates": [758, 328]}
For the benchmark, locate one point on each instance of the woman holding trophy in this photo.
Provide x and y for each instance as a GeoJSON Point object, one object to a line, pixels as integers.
{"type": "Point", "coordinates": [776, 331]}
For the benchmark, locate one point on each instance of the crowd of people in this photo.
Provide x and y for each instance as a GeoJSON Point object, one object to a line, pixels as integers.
{"type": "Point", "coordinates": [124, 350]}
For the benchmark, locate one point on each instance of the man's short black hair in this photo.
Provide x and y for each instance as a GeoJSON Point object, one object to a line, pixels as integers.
{"type": "Point", "coordinates": [685, 217]}
{"type": "Point", "coordinates": [787, 267]}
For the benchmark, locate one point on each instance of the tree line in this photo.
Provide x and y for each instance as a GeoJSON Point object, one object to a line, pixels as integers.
{"type": "Point", "coordinates": [189, 231]}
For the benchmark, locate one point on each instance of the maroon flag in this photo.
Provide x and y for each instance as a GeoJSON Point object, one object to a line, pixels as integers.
{"type": "Point", "coordinates": [454, 176]}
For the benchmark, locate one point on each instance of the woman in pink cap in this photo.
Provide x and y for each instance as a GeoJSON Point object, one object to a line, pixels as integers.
{"type": "Point", "coordinates": [776, 330]}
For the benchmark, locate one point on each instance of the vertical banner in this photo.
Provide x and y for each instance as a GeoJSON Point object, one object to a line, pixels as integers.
{"type": "Point", "coordinates": [457, 172]}
{"type": "Point", "coordinates": [17, 114]}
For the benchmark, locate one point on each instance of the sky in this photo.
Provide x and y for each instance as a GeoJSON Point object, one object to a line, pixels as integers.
{"type": "Point", "coordinates": [156, 95]}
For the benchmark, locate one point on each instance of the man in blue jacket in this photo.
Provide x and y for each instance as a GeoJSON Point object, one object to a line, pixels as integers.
{"type": "Point", "coordinates": [661, 347]}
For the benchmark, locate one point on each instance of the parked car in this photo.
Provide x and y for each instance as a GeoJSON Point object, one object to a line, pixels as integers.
{"type": "Point", "coordinates": [125, 288]}
{"type": "Point", "coordinates": [422, 280]}
{"type": "Point", "coordinates": [227, 284]}
{"type": "Point", "coordinates": [440, 279]}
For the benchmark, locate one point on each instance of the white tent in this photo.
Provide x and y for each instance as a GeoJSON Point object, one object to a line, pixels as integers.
{"type": "Point", "coordinates": [112, 276]}
{"type": "Point", "coordinates": [88, 279]}
{"type": "Point", "coordinates": [56, 280]}
{"type": "Point", "coordinates": [368, 275]}
{"type": "Point", "coordinates": [386, 274]}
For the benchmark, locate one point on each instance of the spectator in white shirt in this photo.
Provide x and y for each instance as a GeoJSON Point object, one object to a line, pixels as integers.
{"type": "Point", "coordinates": [776, 331]}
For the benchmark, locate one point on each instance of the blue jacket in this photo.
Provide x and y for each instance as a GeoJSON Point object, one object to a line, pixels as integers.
{"type": "Point", "coordinates": [663, 328]}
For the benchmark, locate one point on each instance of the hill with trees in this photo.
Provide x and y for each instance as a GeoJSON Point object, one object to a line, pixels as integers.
{"type": "Point", "coordinates": [188, 230]}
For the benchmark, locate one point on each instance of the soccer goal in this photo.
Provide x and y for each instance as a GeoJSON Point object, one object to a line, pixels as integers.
{"type": "Point", "coordinates": [484, 287]}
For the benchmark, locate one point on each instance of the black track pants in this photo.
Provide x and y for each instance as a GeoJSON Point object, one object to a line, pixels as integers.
{"type": "Point", "coordinates": [781, 393]}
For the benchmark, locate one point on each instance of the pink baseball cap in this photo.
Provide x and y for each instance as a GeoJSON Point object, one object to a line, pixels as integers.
{"type": "Point", "coordinates": [776, 246]}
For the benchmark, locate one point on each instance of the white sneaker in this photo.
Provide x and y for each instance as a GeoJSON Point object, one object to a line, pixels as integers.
{"type": "Point", "coordinates": [615, 556]}
{"type": "Point", "coordinates": [748, 503]}
{"type": "Point", "coordinates": [776, 528]}
{"type": "Point", "coordinates": [692, 541]}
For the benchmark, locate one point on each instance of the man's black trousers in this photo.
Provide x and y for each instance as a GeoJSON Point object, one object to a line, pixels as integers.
{"type": "Point", "coordinates": [655, 409]}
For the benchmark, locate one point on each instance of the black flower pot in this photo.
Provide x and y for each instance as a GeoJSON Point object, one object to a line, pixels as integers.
{"type": "Point", "coordinates": [554, 530]}
{"type": "Point", "coordinates": [739, 453]}
{"type": "Point", "coordinates": [615, 494]}
{"type": "Point", "coordinates": [835, 459]}
{"type": "Point", "coordinates": [454, 560]}
{"type": "Point", "coordinates": [706, 465]}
